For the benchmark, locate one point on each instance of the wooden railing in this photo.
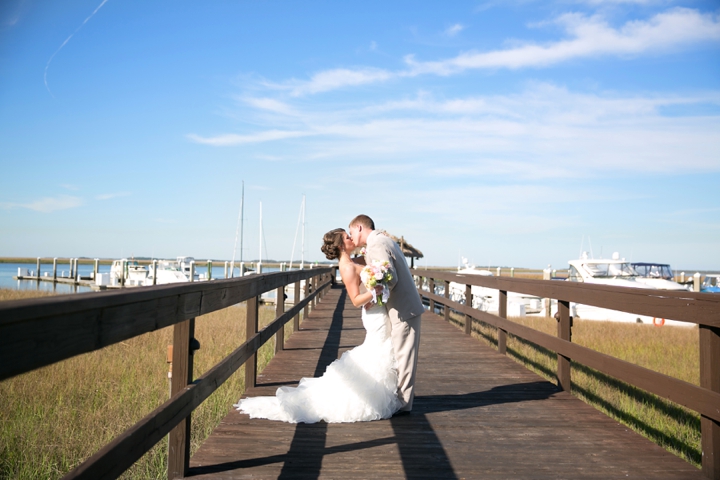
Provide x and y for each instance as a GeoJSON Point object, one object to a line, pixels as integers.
{"type": "Point", "coordinates": [702, 309]}
{"type": "Point", "coordinates": [39, 332]}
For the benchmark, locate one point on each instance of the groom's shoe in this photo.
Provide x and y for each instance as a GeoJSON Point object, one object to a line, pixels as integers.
{"type": "Point", "coordinates": [402, 413]}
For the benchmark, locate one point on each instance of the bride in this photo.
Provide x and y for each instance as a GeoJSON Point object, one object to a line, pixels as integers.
{"type": "Point", "coordinates": [359, 386]}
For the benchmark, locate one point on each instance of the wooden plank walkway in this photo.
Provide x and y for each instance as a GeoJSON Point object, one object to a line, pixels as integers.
{"type": "Point", "coordinates": [477, 414]}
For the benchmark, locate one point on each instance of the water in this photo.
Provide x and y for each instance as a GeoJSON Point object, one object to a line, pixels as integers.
{"type": "Point", "coordinates": [9, 270]}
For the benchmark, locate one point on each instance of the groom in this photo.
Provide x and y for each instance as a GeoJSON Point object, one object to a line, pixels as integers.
{"type": "Point", "coordinates": [404, 305]}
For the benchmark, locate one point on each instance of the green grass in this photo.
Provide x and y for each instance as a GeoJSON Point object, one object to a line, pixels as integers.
{"type": "Point", "coordinates": [673, 351]}
{"type": "Point", "coordinates": [55, 417]}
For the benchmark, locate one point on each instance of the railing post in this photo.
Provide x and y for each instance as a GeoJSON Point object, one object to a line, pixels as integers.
{"type": "Point", "coordinates": [279, 310]}
{"type": "Point", "coordinates": [468, 303]}
{"type": "Point", "coordinates": [446, 309]}
{"type": "Point", "coordinates": [710, 379]}
{"type": "Point", "coordinates": [502, 313]}
{"type": "Point", "coordinates": [564, 332]}
{"type": "Point", "coordinates": [431, 287]}
{"type": "Point", "coordinates": [296, 300]}
{"type": "Point", "coordinates": [306, 290]}
{"type": "Point", "coordinates": [182, 361]}
{"type": "Point", "coordinates": [251, 328]}
{"type": "Point", "coordinates": [314, 289]}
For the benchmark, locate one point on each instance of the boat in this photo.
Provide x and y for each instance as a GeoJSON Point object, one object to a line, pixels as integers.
{"type": "Point", "coordinates": [168, 271]}
{"type": "Point", "coordinates": [134, 274]}
{"type": "Point", "coordinates": [711, 283]}
{"type": "Point", "coordinates": [657, 275]}
{"type": "Point", "coordinates": [616, 272]}
{"type": "Point", "coordinates": [486, 299]}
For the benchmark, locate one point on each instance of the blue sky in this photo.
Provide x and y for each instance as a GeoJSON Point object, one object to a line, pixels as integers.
{"type": "Point", "coordinates": [512, 133]}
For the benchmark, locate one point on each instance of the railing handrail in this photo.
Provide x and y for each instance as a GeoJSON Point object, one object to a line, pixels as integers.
{"type": "Point", "coordinates": [691, 307]}
{"type": "Point", "coordinates": [38, 332]}
{"type": "Point", "coordinates": [699, 308]}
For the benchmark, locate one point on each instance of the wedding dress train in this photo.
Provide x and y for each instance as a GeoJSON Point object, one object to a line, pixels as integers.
{"type": "Point", "coordinates": [359, 386]}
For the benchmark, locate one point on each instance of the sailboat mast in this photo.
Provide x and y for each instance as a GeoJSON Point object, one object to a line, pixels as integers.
{"type": "Point", "coordinates": [242, 219]}
{"type": "Point", "coordinates": [260, 258]}
{"type": "Point", "coordinates": [238, 228]}
{"type": "Point", "coordinates": [302, 248]}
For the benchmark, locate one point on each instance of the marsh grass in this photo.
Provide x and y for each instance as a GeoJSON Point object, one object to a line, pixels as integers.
{"type": "Point", "coordinates": [673, 351]}
{"type": "Point", "coordinates": [55, 417]}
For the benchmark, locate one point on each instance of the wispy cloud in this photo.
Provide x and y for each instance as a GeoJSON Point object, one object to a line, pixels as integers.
{"type": "Point", "coordinates": [337, 78]}
{"type": "Point", "coordinates": [269, 104]}
{"type": "Point", "coordinates": [454, 30]}
{"type": "Point", "coordinates": [586, 37]}
{"type": "Point", "coordinates": [68, 186]}
{"type": "Point", "coordinates": [544, 131]}
{"type": "Point", "coordinates": [235, 139]}
{"type": "Point", "coordinates": [47, 204]}
{"type": "Point", "coordinates": [589, 37]}
{"type": "Point", "coordinates": [108, 196]}
{"type": "Point", "coordinates": [47, 65]}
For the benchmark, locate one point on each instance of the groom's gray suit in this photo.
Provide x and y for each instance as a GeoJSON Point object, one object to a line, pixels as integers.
{"type": "Point", "coordinates": [404, 309]}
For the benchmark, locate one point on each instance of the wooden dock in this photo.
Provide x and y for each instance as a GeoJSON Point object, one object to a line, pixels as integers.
{"type": "Point", "coordinates": [477, 414]}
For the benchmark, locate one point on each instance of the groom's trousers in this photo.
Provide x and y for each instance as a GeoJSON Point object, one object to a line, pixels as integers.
{"type": "Point", "coordinates": [406, 342]}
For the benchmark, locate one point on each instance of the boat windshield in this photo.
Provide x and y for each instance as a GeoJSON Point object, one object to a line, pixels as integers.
{"type": "Point", "coordinates": [711, 281]}
{"type": "Point", "coordinates": [600, 270]}
{"type": "Point", "coordinates": [654, 271]}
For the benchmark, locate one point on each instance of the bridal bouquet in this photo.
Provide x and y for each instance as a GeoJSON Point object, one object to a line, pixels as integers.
{"type": "Point", "coordinates": [377, 274]}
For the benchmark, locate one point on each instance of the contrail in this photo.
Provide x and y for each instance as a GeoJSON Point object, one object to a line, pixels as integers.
{"type": "Point", "coordinates": [66, 41]}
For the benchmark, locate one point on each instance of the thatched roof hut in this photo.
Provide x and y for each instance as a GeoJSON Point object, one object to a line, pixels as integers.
{"type": "Point", "coordinates": [407, 249]}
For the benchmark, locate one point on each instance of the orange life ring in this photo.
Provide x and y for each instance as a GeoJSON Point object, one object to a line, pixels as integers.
{"type": "Point", "coordinates": [658, 324]}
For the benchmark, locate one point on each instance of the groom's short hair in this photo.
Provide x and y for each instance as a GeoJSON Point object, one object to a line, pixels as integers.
{"type": "Point", "coordinates": [363, 220]}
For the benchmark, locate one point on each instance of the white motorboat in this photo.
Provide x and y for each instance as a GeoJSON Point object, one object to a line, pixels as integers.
{"type": "Point", "coordinates": [486, 299]}
{"type": "Point", "coordinates": [130, 270]}
{"type": "Point", "coordinates": [168, 271]}
{"type": "Point", "coordinates": [616, 272]}
{"type": "Point", "coordinates": [657, 275]}
{"type": "Point", "coordinates": [136, 275]}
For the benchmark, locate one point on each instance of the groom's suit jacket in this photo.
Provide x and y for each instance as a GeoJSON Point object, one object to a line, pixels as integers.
{"type": "Point", "coordinates": [404, 302]}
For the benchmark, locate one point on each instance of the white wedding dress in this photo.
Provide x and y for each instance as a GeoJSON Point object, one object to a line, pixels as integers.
{"type": "Point", "coordinates": [359, 386]}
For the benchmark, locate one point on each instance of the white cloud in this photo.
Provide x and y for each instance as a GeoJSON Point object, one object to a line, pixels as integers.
{"type": "Point", "coordinates": [47, 204]}
{"type": "Point", "coordinates": [334, 79]}
{"type": "Point", "coordinates": [454, 30]}
{"type": "Point", "coordinates": [589, 37]}
{"type": "Point", "coordinates": [235, 139]}
{"type": "Point", "coordinates": [108, 196]}
{"type": "Point", "coordinates": [269, 104]}
{"type": "Point", "coordinates": [544, 131]}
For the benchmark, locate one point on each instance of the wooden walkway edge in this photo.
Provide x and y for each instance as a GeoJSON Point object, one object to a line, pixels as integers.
{"type": "Point", "coordinates": [477, 414]}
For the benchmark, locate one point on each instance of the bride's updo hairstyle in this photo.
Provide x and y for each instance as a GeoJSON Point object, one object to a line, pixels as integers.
{"type": "Point", "coordinates": [333, 243]}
